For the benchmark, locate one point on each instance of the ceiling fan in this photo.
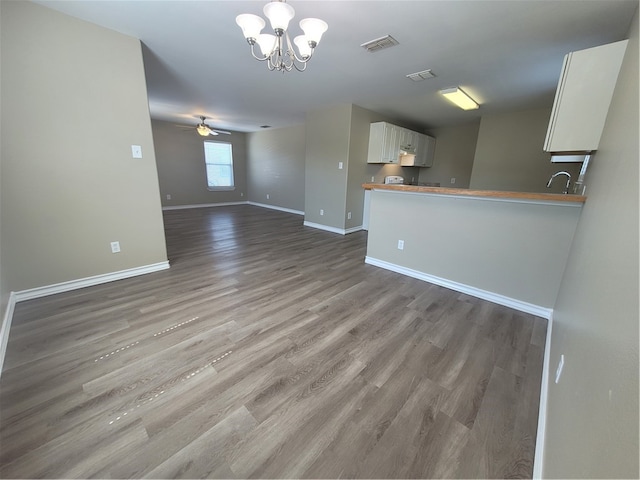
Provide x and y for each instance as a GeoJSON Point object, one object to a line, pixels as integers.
{"type": "Point", "coordinates": [205, 130]}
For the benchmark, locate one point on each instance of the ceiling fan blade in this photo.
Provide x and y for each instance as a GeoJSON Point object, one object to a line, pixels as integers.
{"type": "Point", "coordinates": [220, 131]}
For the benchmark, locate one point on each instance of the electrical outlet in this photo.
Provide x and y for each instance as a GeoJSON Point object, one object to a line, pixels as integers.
{"type": "Point", "coordinates": [115, 247]}
{"type": "Point", "coordinates": [340, 165]}
{"type": "Point", "coordinates": [136, 151]}
{"type": "Point", "coordinates": [241, 194]}
{"type": "Point", "coordinates": [453, 180]}
{"type": "Point", "coordinates": [321, 212]}
{"type": "Point", "coordinates": [413, 179]}
{"type": "Point", "coordinates": [168, 196]}
{"type": "Point", "coordinates": [373, 179]}
{"type": "Point", "coordinates": [348, 215]}
{"type": "Point", "coordinates": [267, 196]}
{"type": "Point", "coordinates": [559, 369]}
{"type": "Point", "coordinates": [400, 244]}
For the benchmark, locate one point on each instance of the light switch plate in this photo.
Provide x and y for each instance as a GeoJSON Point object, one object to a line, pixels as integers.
{"type": "Point", "coordinates": [136, 151]}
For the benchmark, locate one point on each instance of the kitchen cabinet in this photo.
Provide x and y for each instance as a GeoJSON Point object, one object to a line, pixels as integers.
{"type": "Point", "coordinates": [425, 151]}
{"type": "Point", "coordinates": [408, 141]}
{"type": "Point", "coordinates": [389, 143]}
{"type": "Point", "coordinates": [384, 143]}
{"type": "Point", "coordinates": [583, 96]}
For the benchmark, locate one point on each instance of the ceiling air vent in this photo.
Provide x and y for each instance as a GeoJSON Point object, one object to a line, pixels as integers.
{"type": "Point", "coordinates": [379, 43]}
{"type": "Point", "coordinates": [423, 75]}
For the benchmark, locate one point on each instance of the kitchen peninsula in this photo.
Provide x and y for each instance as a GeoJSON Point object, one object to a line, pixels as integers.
{"type": "Point", "coordinates": [507, 247]}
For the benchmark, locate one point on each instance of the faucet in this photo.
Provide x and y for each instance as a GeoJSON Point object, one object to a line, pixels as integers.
{"type": "Point", "coordinates": [566, 188]}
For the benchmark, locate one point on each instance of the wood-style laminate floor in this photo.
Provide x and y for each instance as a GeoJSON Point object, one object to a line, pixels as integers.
{"type": "Point", "coordinates": [269, 350]}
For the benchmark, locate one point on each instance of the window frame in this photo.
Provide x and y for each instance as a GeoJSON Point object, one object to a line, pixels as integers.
{"type": "Point", "coordinates": [225, 188]}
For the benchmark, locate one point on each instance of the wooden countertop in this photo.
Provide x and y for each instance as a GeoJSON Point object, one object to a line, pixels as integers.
{"type": "Point", "coordinates": [550, 197]}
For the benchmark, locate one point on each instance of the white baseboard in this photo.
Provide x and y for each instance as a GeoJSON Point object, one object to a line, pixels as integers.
{"type": "Point", "coordinates": [203, 205]}
{"type": "Point", "coordinates": [38, 292]}
{"type": "Point", "coordinates": [6, 326]}
{"type": "Point", "coordinates": [275, 207]}
{"type": "Point", "coordinates": [461, 287]}
{"type": "Point", "coordinates": [538, 460]}
{"type": "Point", "coordinates": [353, 230]}
{"type": "Point", "coordinates": [327, 228]}
{"type": "Point", "coordinates": [88, 281]}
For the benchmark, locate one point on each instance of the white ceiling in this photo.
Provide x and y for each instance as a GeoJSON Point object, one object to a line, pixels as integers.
{"type": "Point", "coordinates": [506, 53]}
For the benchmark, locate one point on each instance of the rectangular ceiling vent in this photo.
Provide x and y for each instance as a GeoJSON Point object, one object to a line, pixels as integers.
{"type": "Point", "coordinates": [423, 75]}
{"type": "Point", "coordinates": [379, 43]}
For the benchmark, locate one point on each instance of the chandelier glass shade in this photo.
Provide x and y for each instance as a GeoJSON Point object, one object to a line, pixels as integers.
{"type": "Point", "coordinates": [277, 49]}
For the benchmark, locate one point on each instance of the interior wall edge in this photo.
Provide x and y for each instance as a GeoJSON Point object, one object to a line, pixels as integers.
{"type": "Point", "coordinates": [6, 327]}
{"type": "Point", "coordinates": [538, 459]}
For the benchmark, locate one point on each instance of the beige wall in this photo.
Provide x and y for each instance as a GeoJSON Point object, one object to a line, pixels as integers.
{"type": "Point", "coordinates": [455, 149]}
{"type": "Point", "coordinates": [4, 288]}
{"type": "Point", "coordinates": [181, 168]}
{"type": "Point", "coordinates": [509, 154]}
{"type": "Point", "coordinates": [592, 422]}
{"type": "Point", "coordinates": [74, 100]}
{"type": "Point", "coordinates": [275, 167]}
{"type": "Point", "coordinates": [327, 144]}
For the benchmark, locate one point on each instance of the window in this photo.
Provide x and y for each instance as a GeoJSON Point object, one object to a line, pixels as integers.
{"type": "Point", "coordinates": [218, 159]}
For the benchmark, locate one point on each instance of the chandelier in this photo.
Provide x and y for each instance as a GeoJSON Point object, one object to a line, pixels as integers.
{"type": "Point", "coordinates": [276, 49]}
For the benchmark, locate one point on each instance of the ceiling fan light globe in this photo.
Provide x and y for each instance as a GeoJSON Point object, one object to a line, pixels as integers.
{"type": "Point", "coordinates": [279, 14]}
{"type": "Point", "coordinates": [203, 130]}
{"type": "Point", "coordinates": [267, 43]}
{"type": "Point", "coordinates": [250, 24]}
{"type": "Point", "coordinates": [313, 29]}
{"type": "Point", "coordinates": [303, 46]}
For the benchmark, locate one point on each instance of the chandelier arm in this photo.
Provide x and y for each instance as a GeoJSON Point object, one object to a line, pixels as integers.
{"type": "Point", "coordinates": [294, 56]}
{"type": "Point", "coordinates": [281, 55]}
{"type": "Point", "coordinates": [303, 59]}
{"type": "Point", "coordinates": [304, 67]}
{"type": "Point", "coordinates": [253, 54]}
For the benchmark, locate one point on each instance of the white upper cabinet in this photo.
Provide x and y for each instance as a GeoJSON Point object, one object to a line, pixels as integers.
{"type": "Point", "coordinates": [384, 143]}
{"type": "Point", "coordinates": [425, 151]}
{"type": "Point", "coordinates": [582, 98]}
{"type": "Point", "coordinates": [408, 141]}
{"type": "Point", "coordinates": [388, 142]}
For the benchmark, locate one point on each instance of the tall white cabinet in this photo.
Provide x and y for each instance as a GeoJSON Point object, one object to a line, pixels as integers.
{"type": "Point", "coordinates": [384, 143]}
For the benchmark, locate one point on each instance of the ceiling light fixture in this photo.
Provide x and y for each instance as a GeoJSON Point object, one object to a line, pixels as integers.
{"type": "Point", "coordinates": [460, 98]}
{"type": "Point", "coordinates": [205, 131]}
{"type": "Point", "coordinates": [276, 49]}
